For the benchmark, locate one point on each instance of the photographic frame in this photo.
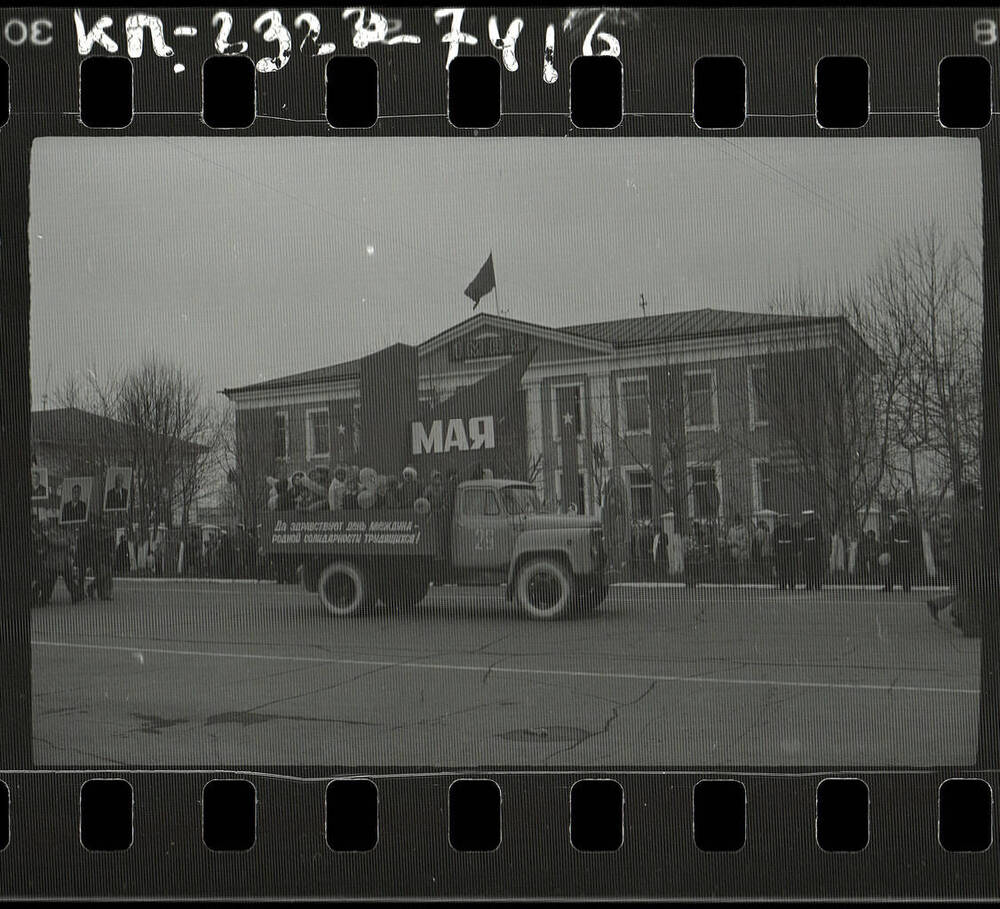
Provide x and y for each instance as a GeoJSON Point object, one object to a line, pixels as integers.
{"type": "Point", "coordinates": [780, 50]}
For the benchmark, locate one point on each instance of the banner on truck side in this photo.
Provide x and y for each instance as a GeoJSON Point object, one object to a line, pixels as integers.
{"type": "Point", "coordinates": [392, 532]}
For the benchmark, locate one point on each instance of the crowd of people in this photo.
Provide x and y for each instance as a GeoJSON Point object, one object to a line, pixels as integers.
{"type": "Point", "coordinates": [353, 488]}
{"type": "Point", "coordinates": [789, 552]}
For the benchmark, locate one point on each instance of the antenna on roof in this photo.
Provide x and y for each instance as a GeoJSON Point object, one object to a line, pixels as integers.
{"type": "Point", "coordinates": [642, 304]}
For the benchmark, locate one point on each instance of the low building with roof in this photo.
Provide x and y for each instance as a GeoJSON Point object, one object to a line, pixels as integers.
{"type": "Point", "coordinates": [671, 409]}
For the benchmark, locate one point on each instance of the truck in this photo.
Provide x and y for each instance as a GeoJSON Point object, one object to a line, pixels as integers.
{"type": "Point", "coordinates": [552, 566]}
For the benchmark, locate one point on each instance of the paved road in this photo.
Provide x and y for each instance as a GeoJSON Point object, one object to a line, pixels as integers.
{"type": "Point", "coordinates": [200, 674]}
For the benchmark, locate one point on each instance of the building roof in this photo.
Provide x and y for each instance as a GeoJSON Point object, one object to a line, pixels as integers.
{"type": "Point", "coordinates": [70, 426]}
{"type": "Point", "coordinates": [696, 323]}
{"type": "Point", "coordinates": [349, 369]}
{"type": "Point", "coordinates": [597, 336]}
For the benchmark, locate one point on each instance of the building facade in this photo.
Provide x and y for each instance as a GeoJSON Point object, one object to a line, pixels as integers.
{"type": "Point", "coordinates": [675, 410]}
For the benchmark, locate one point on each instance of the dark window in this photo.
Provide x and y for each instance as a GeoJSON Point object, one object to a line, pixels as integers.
{"type": "Point", "coordinates": [319, 432]}
{"type": "Point", "coordinates": [764, 484]}
{"type": "Point", "coordinates": [640, 488]}
{"type": "Point", "coordinates": [635, 405]}
{"type": "Point", "coordinates": [706, 493]}
{"type": "Point", "coordinates": [758, 395]}
{"type": "Point", "coordinates": [492, 505]}
{"type": "Point", "coordinates": [281, 435]}
{"type": "Point", "coordinates": [474, 501]}
{"type": "Point", "coordinates": [699, 400]}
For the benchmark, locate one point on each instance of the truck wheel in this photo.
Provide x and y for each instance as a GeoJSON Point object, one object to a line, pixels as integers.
{"type": "Point", "coordinates": [545, 588]}
{"type": "Point", "coordinates": [343, 589]}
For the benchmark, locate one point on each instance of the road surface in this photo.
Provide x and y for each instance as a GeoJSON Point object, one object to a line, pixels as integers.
{"type": "Point", "coordinates": [190, 673]}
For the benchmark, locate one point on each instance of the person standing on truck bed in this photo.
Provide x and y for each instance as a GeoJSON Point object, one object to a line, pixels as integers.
{"type": "Point", "coordinates": [351, 490]}
{"type": "Point", "coordinates": [410, 490]}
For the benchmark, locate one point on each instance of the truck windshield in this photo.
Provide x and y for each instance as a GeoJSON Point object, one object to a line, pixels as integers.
{"type": "Point", "coordinates": [520, 500]}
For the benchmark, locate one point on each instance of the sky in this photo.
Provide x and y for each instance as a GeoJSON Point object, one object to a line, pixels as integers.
{"type": "Point", "coordinates": [251, 258]}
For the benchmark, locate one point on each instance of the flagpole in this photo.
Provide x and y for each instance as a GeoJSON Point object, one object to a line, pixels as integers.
{"type": "Point", "coordinates": [496, 287]}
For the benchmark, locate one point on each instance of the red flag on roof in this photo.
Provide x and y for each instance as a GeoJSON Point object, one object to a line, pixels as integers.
{"type": "Point", "coordinates": [482, 283]}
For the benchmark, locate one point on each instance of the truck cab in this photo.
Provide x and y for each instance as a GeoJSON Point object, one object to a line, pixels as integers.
{"type": "Point", "coordinates": [498, 530]}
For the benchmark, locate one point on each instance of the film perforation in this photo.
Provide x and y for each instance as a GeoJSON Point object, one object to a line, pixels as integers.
{"type": "Point", "coordinates": [842, 815]}
{"type": "Point", "coordinates": [842, 92]}
{"type": "Point", "coordinates": [720, 92]}
{"type": "Point", "coordinates": [229, 815]}
{"type": "Point", "coordinates": [106, 815]}
{"type": "Point", "coordinates": [964, 93]}
{"type": "Point", "coordinates": [106, 92]}
{"type": "Point", "coordinates": [229, 92]}
{"type": "Point", "coordinates": [474, 93]}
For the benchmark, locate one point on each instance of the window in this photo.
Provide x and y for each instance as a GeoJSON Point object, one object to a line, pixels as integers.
{"type": "Point", "coordinates": [568, 401]}
{"type": "Point", "coordinates": [581, 493]}
{"type": "Point", "coordinates": [640, 491]}
{"type": "Point", "coordinates": [479, 502]}
{"type": "Point", "coordinates": [700, 399]}
{"type": "Point", "coordinates": [281, 436]}
{"type": "Point", "coordinates": [705, 493]}
{"type": "Point", "coordinates": [633, 397]}
{"type": "Point", "coordinates": [318, 433]}
{"type": "Point", "coordinates": [758, 399]}
{"type": "Point", "coordinates": [762, 488]}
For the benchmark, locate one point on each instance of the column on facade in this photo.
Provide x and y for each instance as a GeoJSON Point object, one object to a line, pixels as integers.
{"type": "Point", "coordinates": [600, 389]}
{"type": "Point", "coordinates": [535, 433]}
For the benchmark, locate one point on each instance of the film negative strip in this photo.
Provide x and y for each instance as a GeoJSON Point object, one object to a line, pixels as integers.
{"type": "Point", "coordinates": [499, 452]}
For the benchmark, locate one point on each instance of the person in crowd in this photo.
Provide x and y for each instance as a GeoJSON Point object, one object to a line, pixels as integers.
{"type": "Point", "coordinates": [38, 489]}
{"type": "Point", "coordinates": [393, 492]}
{"type": "Point", "coordinates": [434, 492]}
{"type": "Point", "coordinates": [866, 560]}
{"type": "Point", "coordinates": [902, 541]}
{"type": "Point", "coordinates": [812, 550]}
{"type": "Point", "coordinates": [122, 562]}
{"type": "Point", "coordinates": [381, 491]}
{"type": "Point", "coordinates": [335, 496]}
{"type": "Point", "coordinates": [694, 554]}
{"type": "Point", "coordinates": [738, 543]}
{"type": "Point", "coordinates": [941, 534]}
{"type": "Point", "coordinates": [285, 500]}
{"type": "Point", "coordinates": [765, 548]}
{"type": "Point", "coordinates": [785, 552]}
{"type": "Point", "coordinates": [967, 591]}
{"type": "Point", "coordinates": [351, 490]}
{"type": "Point", "coordinates": [409, 491]}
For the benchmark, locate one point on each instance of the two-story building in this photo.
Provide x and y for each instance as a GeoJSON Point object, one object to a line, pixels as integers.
{"type": "Point", "coordinates": [674, 407]}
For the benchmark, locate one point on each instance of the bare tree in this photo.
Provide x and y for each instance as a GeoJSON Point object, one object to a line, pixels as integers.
{"type": "Point", "coordinates": [900, 381]}
{"type": "Point", "coordinates": [828, 398]}
{"type": "Point", "coordinates": [244, 459]}
{"type": "Point", "coordinates": [156, 422]}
